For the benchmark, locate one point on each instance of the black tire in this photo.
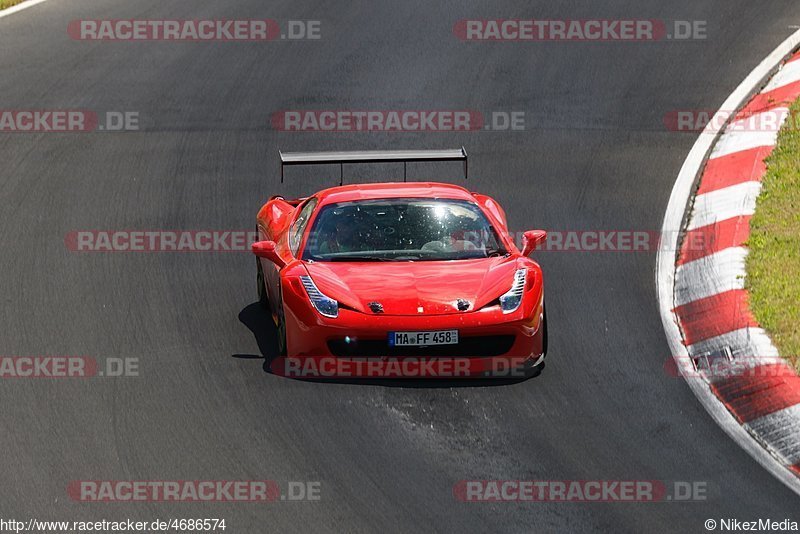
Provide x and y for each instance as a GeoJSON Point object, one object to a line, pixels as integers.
{"type": "Point", "coordinates": [536, 370]}
{"type": "Point", "coordinates": [281, 330]}
{"type": "Point", "coordinates": [263, 299]}
{"type": "Point", "coordinates": [544, 334]}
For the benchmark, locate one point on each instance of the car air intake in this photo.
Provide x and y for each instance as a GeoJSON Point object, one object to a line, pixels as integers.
{"type": "Point", "coordinates": [467, 347]}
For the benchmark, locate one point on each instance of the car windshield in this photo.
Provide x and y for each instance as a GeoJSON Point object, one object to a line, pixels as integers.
{"type": "Point", "coordinates": [402, 229]}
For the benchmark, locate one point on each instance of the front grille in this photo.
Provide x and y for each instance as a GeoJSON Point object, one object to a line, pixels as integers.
{"type": "Point", "coordinates": [467, 347]}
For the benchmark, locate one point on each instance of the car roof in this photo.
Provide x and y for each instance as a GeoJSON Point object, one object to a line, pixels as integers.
{"type": "Point", "coordinates": [349, 193]}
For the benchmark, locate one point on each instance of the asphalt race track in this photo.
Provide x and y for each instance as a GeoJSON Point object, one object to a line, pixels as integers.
{"type": "Point", "coordinates": [594, 155]}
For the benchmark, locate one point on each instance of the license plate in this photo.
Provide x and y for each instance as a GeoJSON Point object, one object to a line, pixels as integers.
{"type": "Point", "coordinates": [423, 339]}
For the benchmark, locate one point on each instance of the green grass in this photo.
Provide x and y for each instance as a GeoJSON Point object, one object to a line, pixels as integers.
{"type": "Point", "coordinates": [8, 3]}
{"type": "Point", "coordinates": [773, 265]}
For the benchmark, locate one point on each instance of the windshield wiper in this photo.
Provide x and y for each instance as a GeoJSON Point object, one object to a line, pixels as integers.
{"type": "Point", "coordinates": [358, 258]}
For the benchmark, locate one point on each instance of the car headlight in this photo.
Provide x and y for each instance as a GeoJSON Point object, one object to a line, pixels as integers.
{"type": "Point", "coordinates": [509, 302]}
{"type": "Point", "coordinates": [321, 302]}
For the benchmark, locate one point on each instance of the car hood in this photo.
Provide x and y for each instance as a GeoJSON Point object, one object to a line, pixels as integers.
{"type": "Point", "coordinates": [403, 288]}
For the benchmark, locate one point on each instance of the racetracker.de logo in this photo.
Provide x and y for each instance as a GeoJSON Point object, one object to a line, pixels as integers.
{"type": "Point", "coordinates": [325, 367]}
{"type": "Point", "coordinates": [608, 241]}
{"type": "Point", "coordinates": [66, 121]}
{"type": "Point", "coordinates": [608, 491]}
{"type": "Point", "coordinates": [47, 367]}
{"type": "Point", "coordinates": [160, 240]}
{"type": "Point", "coordinates": [254, 491]}
{"type": "Point", "coordinates": [377, 120]}
{"type": "Point", "coordinates": [722, 365]}
{"type": "Point", "coordinates": [174, 490]}
{"type": "Point", "coordinates": [13, 367]}
{"type": "Point", "coordinates": [698, 120]}
{"type": "Point", "coordinates": [47, 120]}
{"type": "Point", "coordinates": [193, 30]}
{"type": "Point", "coordinates": [218, 240]}
{"type": "Point", "coordinates": [533, 30]}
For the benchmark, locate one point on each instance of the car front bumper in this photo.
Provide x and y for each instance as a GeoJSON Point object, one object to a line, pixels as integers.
{"type": "Point", "coordinates": [356, 345]}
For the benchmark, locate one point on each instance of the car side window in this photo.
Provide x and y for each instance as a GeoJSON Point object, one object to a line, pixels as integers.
{"type": "Point", "coordinates": [299, 226]}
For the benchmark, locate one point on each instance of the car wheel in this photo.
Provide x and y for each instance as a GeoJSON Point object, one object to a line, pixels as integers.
{"type": "Point", "coordinates": [281, 330]}
{"type": "Point", "coordinates": [262, 289]}
{"type": "Point", "coordinates": [544, 334]}
{"type": "Point", "coordinates": [263, 299]}
{"type": "Point", "coordinates": [536, 370]}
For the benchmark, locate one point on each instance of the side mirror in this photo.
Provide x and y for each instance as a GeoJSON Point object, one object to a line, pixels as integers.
{"type": "Point", "coordinates": [266, 250]}
{"type": "Point", "coordinates": [531, 240]}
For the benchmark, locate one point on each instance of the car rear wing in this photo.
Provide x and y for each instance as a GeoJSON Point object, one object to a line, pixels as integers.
{"type": "Point", "coordinates": [372, 156]}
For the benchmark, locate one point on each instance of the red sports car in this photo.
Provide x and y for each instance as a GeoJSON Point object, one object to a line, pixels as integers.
{"type": "Point", "coordinates": [399, 272]}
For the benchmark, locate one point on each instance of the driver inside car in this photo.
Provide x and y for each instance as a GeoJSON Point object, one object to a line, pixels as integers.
{"type": "Point", "coordinates": [342, 238]}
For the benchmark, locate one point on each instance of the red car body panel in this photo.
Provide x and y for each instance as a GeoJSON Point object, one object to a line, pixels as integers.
{"type": "Point", "coordinates": [416, 296]}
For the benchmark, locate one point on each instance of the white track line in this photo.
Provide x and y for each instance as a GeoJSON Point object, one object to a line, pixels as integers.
{"type": "Point", "coordinates": [19, 7]}
{"type": "Point", "coordinates": [665, 261]}
{"type": "Point", "coordinates": [751, 341]}
{"type": "Point", "coordinates": [761, 129]}
{"type": "Point", "coordinates": [781, 430]}
{"type": "Point", "coordinates": [723, 204]}
{"type": "Point", "coordinates": [790, 73]}
{"type": "Point", "coordinates": [770, 119]}
{"type": "Point", "coordinates": [724, 271]}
